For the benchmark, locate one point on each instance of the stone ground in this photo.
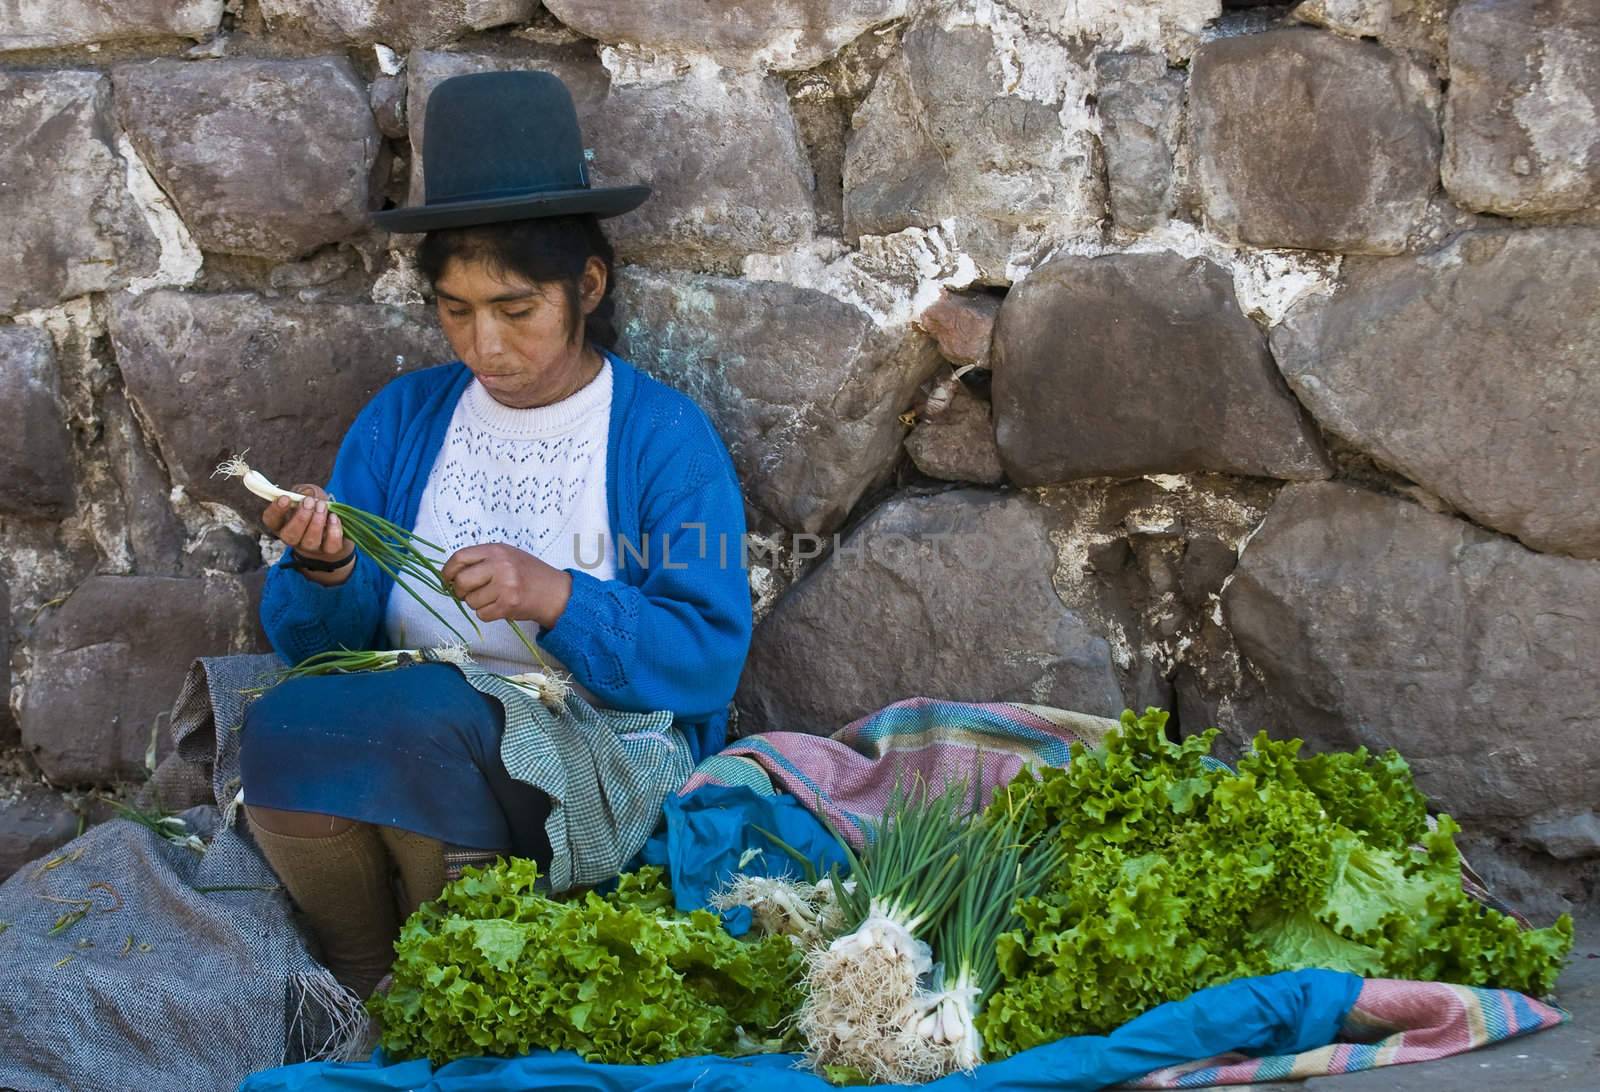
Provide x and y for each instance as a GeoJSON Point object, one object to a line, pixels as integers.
{"type": "Point", "coordinates": [1564, 1058]}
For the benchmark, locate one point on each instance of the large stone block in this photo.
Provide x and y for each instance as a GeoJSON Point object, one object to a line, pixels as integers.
{"type": "Point", "coordinates": [725, 163]}
{"type": "Point", "coordinates": [1306, 139]}
{"type": "Point", "coordinates": [398, 23]}
{"type": "Point", "coordinates": [261, 157]}
{"type": "Point", "coordinates": [35, 449]}
{"type": "Point", "coordinates": [68, 225]}
{"type": "Point", "coordinates": [108, 662]}
{"type": "Point", "coordinates": [33, 821]}
{"type": "Point", "coordinates": [946, 133]}
{"type": "Point", "coordinates": [805, 389]}
{"type": "Point", "coordinates": [1141, 104]}
{"type": "Point", "coordinates": [1132, 364]}
{"type": "Point", "coordinates": [216, 374]}
{"type": "Point", "coordinates": [721, 155]}
{"type": "Point", "coordinates": [1522, 120]}
{"type": "Point", "coordinates": [28, 24]}
{"type": "Point", "coordinates": [1471, 371]}
{"type": "Point", "coordinates": [1376, 622]}
{"type": "Point", "coordinates": [775, 34]}
{"type": "Point", "coordinates": [969, 617]}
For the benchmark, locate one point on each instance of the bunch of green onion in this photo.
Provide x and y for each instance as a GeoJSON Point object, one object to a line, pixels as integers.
{"type": "Point", "coordinates": [395, 550]}
{"type": "Point", "coordinates": [1003, 868]}
{"type": "Point", "coordinates": [345, 661]}
{"type": "Point", "coordinates": [552, 689]}
{"type": "Point", "coordinates": [863, 989]}
{"type": "Point", "coordinates": [879, 1009]}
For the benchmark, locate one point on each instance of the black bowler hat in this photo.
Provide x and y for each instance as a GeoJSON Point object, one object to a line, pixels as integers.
{"type": "Point", "coordinates": [504, 146]}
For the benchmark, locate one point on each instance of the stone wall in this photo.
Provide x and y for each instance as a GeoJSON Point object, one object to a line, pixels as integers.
{"type": "Point", "coordinates": [1235, 358]}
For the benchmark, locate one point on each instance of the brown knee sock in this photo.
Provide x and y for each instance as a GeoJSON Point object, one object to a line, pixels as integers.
{"type": "Point", "coordinates": [341, 882]}
{"type": "Point", "coordinates": [420, 860]}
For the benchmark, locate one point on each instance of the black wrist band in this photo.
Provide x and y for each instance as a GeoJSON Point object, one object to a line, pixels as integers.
{"type": "Point", "coordinates": [311, 565]}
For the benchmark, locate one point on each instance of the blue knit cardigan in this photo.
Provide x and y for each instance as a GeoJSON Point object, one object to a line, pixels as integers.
{"type": "Point", "coordinates": [671, 632]}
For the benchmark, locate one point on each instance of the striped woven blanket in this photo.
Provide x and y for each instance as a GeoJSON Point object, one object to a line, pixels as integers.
{"type": "Point", "coordinates": [847, 777]}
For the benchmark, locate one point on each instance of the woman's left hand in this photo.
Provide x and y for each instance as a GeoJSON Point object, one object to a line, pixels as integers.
{"type": "Point", "coordinates": [499, 581]}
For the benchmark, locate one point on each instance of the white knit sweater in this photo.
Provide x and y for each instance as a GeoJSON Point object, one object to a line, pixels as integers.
{"type": "Point", "coordinates": [531, 478]}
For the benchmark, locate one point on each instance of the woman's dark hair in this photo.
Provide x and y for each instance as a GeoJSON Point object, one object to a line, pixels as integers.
{"type": "Point", "coordinates": [548, 250]}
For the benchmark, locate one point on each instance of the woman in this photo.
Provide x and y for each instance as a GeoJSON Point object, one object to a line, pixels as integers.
{"type": "Point", "coordinates": [576, 497]}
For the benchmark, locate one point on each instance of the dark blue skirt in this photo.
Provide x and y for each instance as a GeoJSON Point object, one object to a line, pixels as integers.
{"type": "Point", "coordinates": [416, 748]}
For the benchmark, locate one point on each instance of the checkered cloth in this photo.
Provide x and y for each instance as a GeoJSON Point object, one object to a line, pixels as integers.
{"type": "Point", "coordinates": [606, 772]}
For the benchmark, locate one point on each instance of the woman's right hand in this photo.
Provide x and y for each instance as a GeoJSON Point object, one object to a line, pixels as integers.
{"type": "Point", "coordinates": [308, 527]}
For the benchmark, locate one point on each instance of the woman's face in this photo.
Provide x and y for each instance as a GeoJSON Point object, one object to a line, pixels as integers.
{"type": "Point", "coordinates": [513, 333]}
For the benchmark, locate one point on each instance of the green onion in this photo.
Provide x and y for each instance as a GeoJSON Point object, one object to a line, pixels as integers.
{"type": "Point", "coordinates": [346, 661]}
{"type": "Point", "coordinates": [863, 998]}
{"type": "Point", "coordinates": [551, 689]}
{"type": "Point", "coordinates": [171, 827]}
{"type": "Point", "coordinates": [1005, 867]}
{"type": "Point", "coordinates": [395, 550]}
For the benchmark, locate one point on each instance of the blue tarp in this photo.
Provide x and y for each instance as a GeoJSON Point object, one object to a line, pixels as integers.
{"type": "Point", "coordinates": [706, 836]}
{"type": "Point", "coordinates": [1276, 1014]}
